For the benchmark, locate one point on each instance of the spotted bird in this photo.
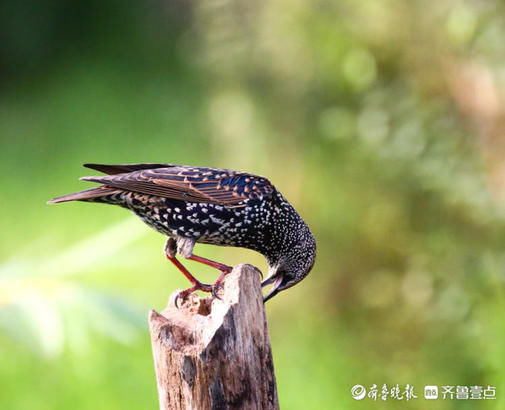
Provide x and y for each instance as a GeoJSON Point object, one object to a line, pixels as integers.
{"type": "Point", "coordinates": [208, 205]}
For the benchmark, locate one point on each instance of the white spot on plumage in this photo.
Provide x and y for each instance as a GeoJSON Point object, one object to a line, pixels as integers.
{"type": "Point", "coordinates": [216, 220]}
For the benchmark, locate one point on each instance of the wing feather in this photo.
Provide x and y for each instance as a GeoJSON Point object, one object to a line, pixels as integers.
{"type": "Point", "coordinates": [211, 185]}
{"type": "Point", "coordinates": [122, 168]}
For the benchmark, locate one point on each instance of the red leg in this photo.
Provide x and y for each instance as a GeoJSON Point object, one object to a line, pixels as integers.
{"type": "Point", "coordinates": [223, 268]}
{"type": "Point", "coordinates": [197, 285]}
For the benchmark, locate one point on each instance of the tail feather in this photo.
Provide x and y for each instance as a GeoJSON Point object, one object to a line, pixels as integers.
{"type": "Point", "coordinates": [86, 194]}
{"type": "Point", "coordinates": [102, 191]}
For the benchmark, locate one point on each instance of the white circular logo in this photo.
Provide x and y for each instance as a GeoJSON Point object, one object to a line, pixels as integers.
{"type": "Point", "coordinates": [358, 392]}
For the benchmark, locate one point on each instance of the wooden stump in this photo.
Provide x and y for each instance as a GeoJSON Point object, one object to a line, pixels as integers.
{"type": "Point", "coordinates": [215, 354]}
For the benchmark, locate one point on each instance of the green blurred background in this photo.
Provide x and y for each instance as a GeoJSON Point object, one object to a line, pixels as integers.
{"type": "Point", "coordinates": [382, 121]}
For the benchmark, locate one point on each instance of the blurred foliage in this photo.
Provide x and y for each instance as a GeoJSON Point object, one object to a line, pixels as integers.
{"type": "Point", "coordinates": [382, 121]}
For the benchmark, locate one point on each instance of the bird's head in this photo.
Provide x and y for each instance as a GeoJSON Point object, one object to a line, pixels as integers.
{"type": "Point", "coordinates": [294, 263]}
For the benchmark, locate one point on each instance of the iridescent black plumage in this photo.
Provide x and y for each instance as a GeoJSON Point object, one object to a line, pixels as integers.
{"type": "Point", "coordinates": [208, 205]}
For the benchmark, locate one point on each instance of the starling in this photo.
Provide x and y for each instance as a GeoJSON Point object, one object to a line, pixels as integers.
{"type": "Point", "coordinates": [213, 206]}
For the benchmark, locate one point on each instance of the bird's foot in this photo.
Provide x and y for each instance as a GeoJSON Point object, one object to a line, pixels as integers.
{"type": "Point", "coordinates": [215, 287]}
{"type": "Point", "coordinates": [219, 282]}
{"type": "Point", "coordinates": [197, 286]}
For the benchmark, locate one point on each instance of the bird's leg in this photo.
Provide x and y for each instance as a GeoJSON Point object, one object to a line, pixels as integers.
{"type": "Point", "coordinates": [197, 285]}
{"type": "Point", "coordinates": [170, 250]}
{"type": "Point", "coordinates": [225, 270]}
{"type": "Point", "coordinates": [195, 282]}
{"type": "Point", "coordinates": [222, 267]}
{"type": "Point", "coordinates": [185, 247]}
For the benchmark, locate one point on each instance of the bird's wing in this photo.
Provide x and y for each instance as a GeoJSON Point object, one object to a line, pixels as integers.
{"type": "Point", "coordinates": [219, 186]}
{"type": "Point", "coordinates": [122, 168]}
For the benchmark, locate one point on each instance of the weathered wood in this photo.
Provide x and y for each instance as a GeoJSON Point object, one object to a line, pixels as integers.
{"type": "Point", "coordinates": [215, 354]}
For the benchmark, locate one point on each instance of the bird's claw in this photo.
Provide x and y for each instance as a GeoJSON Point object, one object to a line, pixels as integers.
{"type": "Point", "coordinates": [182, 295]}
{"type": "Point", "coordinates": [215, 287]}
{"type": "Point", "coordinates": [198, 286]}
{"type": "Point", "coordinates": [260, 272]}
{"type": "Point", "coordinates": [177, 299]}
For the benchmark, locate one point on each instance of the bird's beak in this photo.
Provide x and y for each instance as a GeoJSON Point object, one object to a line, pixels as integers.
{"type": "Point", "coordinates": [275, 288]}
